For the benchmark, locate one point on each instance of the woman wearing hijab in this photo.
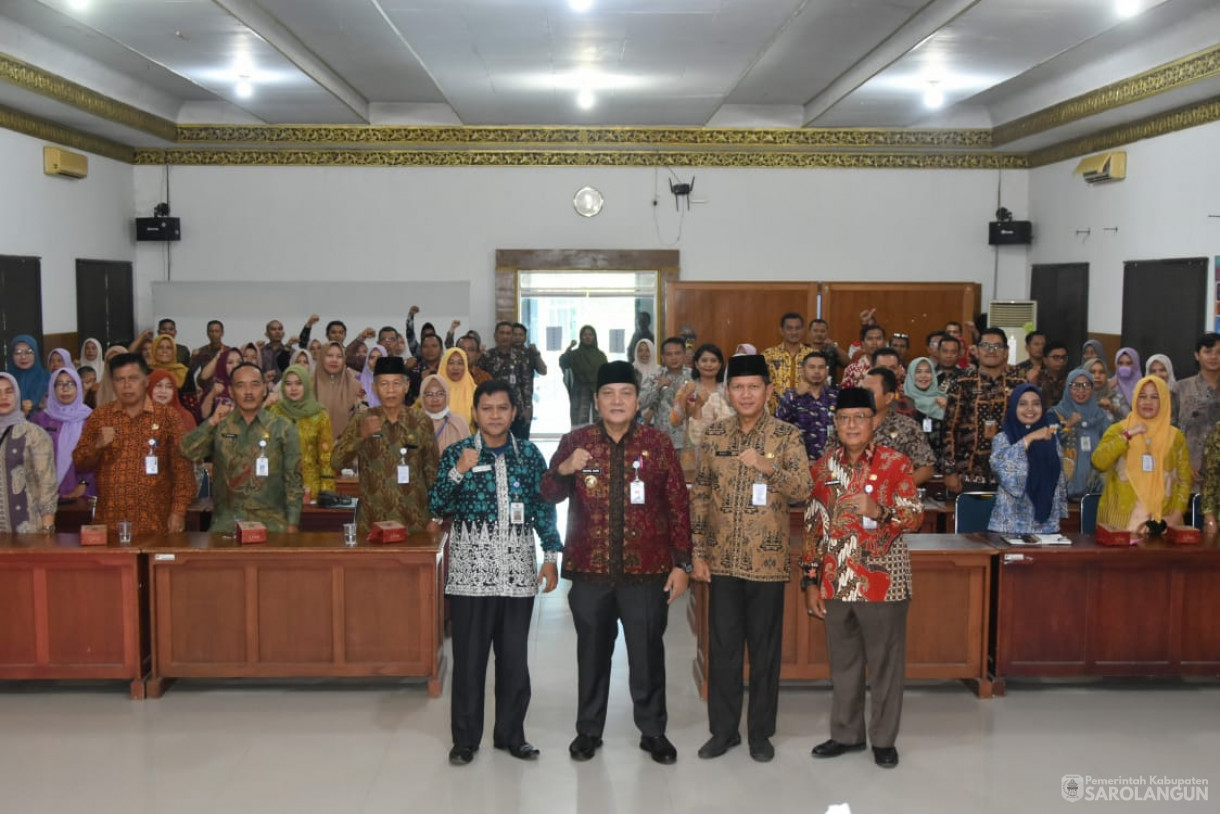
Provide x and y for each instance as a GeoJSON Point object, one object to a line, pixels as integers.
{"type": "Point", "coordinates": [25, 364]}
{"type": "Point", "coordinates": [1081, 425]}
{"type": "Point", "coordinates": [434, 401]}
{"type": "Point", "coordinates": [1126, 374]}
{"type": "Point", "coordinates": [297, 404]}
{"type": "Point", "coordinates": [366, 375]}
{"type": "Point", "coordinates": [1146, 465]}
{"type": "Point", "coordinates": [583, 360]}
{"type": "Point", "coordinates": [1091, 349]}
{"type": "Point", "coordinates": [165, 357]}
{"type": "Point", "coordinates": [302, 358]}
{"type": "Point", "coordinates": [1108, 398]}
{"type": "Point", "coordinates": [922, 389]}
{"type": "Point", "coordinates": [90, 354]}
{"type": "Point", "coordinates": [163, 390]}
{"type": "Point", "coordinates": [1161, 366]}
{"type": "Point", "coordinates": [227, 361]}
{"type": "Point", "coordinates": [105, 390]}
{"type": "Point", "coordinates": [28, 494]}
{"type": "Point", "coordinates": [58, 359]}
{"type": "Point", "coordinates": [336, 388]}
{"type": "Point", "coordinates": [1032, 497]}
{"type": "Point", "coordinates": [455, 370]}
{"type": "Point", "coordinates": [644, 360]}
{"type": "Point", "coordinates": [63, 419]}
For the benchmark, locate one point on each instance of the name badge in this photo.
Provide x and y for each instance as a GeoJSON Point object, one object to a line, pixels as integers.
{"type": "Point", "coordinates": [150, 465]}
{"type": "Point", "coordinates": [1146, 462]}
{"type": "Point", "coordinates": [482, 468]}
{"type": "Point", "coordinates": [927, 425]}
{"type": "Point", "coordinates": [404, 473]}
{"type": "Point", "coordinates": [516, 512]}
{"type": "Point", "coordinates": [262, 467]}
{"type": "Point", "coordinates": [868, 523]}
{"type": "Point", "coordinates": [1086, 443]}
{"type": "Point", "coordinates": [637, 492]}
{"type": "Point", "coordinates": [759, 498]}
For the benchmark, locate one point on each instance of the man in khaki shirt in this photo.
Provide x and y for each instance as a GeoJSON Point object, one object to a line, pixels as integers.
{"type": "Point", "coordinates": [751, 466]}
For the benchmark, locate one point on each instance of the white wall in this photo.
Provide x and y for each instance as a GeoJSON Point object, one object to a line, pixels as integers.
{"type": "Point", "coordinates": [61, 220]}
{"type": "Point", "coordinates": [379, 224]}
{"type": "Point", "coordinates": [1161, 211]}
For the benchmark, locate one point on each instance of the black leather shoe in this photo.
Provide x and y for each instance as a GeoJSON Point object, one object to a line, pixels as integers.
{"type": "Point", "coordinates": [462, 755]}
{"type": "Point", "coordinates": [832, 748]}
{"type": "Point", "coordinates": [584, 747]}
{"type": "Point", "coordinates": [522, 751]}
{"type": "Point", "coordinates": [762, 751]}
{"type": "Point", "coordinates": [660, 748]}
{"type": "Point", "coordinates": [885, 756]}
{"type": "Point", "coordinates": [717, 746]}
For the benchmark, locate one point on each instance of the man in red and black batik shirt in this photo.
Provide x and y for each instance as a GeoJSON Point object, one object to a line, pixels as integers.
{"type": "Point", "coordinates": [857, 576]}
{"type": "Point", "coordinates": [627, 552]}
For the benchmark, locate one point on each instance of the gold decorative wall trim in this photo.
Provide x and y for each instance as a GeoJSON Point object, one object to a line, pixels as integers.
{"type": "Point", "coordinates": [38, 128]}
{"type": "Point", "coordinates": [579, 158]}
{"type": "Point", "coordinates": [1161, 124]}
{"type": "Point", "coordinates": [53, 86]}
{"type": "Point", "coordinates": [582, 137]}
{"type": "Point", "coordinates": [1170, 76]}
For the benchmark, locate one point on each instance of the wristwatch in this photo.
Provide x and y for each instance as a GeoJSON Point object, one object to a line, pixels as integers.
{"type": "Point", "coordinates": [689, 568]}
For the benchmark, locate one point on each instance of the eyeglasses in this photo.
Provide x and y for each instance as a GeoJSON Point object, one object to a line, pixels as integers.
{"type": "Point", "coordinates": [68, 385]}
{"type": "Point", "coordinates": [992, 346]}
{"type": "Point", "coordinates": [1081, 386]}
{"type": "Point", "coordinates": [852, 419]}
{"type": "Point", "coordinates": [26, 352]}
{"type": "Point", "coordinates": [434, 394]}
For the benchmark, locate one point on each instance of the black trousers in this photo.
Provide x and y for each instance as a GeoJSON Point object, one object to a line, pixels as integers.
{"type": "Point", "coordinates": [481, 624]}
{"type": "Point", "coordinates": [597, 609]}
{"type": "Point", "coordinates": [744, 613]}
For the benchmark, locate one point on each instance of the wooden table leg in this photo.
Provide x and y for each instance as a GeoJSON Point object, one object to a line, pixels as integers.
{"type": "Point", "coordinates": [156, 686]}
{"type": "Point", "coordinates": [436, 682]}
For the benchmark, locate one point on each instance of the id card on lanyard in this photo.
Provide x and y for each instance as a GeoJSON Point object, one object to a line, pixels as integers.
{"type": "Point", "coordinates": [637, 485]}
{"type": "Point", "coordinates": [262, 467]}
{"type": "Point", "coordinates": [404, 471]}
{"type": "Point", "coordinates": [151, 465]}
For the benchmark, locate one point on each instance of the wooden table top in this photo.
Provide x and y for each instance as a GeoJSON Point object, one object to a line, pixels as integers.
{"type": "Point", "coordinates": [60, 542]}
{"type": "Point", "coordinates": [303, 541]}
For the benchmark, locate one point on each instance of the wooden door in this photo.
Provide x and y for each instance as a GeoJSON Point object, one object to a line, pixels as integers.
{"type": "Point", "coordinates": [105, 303]}
{"type": "Point", "coordinates": [1062, 293]}
{"type": "Point", "coordinates": [728, 314]}
{"type": "Point", "coordinates": [20, 301]}
{"type": "Point", "coordinates": [1162, 301]}
{"type": "Point", "coordinates": [915, 309]}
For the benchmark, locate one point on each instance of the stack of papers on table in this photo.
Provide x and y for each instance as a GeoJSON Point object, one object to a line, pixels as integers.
{"type": "Point", "coordinates": [1036, 539]}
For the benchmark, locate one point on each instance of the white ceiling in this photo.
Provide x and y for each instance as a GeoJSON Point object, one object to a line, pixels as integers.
{"type": "Point", "coordinates": [844, 63]}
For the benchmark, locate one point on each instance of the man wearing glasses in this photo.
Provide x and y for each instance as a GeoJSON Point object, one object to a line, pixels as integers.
{"type": "Point", "coordinates": [977, 401]}
{"type": "Point", "coordinates": [1052, 378]}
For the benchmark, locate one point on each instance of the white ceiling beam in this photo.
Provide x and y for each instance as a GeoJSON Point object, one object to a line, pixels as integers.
{"type": "Point", "coordinates": [923, 24]}
{"type": "Point", "coordinates": [281, 38]}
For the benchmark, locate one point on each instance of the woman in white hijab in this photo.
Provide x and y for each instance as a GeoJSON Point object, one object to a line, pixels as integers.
{"type": "Point", "coordinates": [644, 360]}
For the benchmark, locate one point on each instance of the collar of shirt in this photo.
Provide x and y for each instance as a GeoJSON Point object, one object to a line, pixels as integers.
{"type": "Point", "coordinates": [512, 444]}
{"type": "Point", "coordinates": [627, 438]}
{"type": "Point", "coordinates": [866, 456]}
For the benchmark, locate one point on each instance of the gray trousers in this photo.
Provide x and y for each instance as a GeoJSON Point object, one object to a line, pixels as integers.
{"type": "Point", "coordinates": [872, 634]}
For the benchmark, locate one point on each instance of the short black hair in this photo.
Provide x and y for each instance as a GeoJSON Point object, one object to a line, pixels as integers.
{"type": "Point", "coordinates": [211, 322]}
{"type": "Point", "coordinates": [815, 354]}
{"type": "Point", "coordinates": [928, 339]}
{"type": "Point", "coordinates": [390, 328]}
{"type": "Point", "coordinates": [950, 338]}
{"type": "Point", "coordinates": [1054, 346]}
{"type": "Point", "coordinates": [431, 336]}
{"type": "Point", "coordinates": [994, 331]}
{"type": "Point", "coordinates": [708, 347]}
{"type": "Point", "coordinates": [791, 315]}
{"type": "Point", "coordinates": [1208, 340]}
{"type": "Point", "coordinates": [164, 320]}
{"type": "Point", "coordinates": [493, 386]}
{"type": "Point", "coordinates": [952, 322]}
{"type": "Point", "coordinates": [522, 327]}
{"type": "Point", "coordinates": [820, 321]}
{"type": "Point", "coordinates": [125, 359]}
{"type": "Point", "coordinates": [1032, 335]}
{"type": "Point", "coordinates": [674, 340]}
{"type": "Point", "coordinates": [887, 351]}
{"type": "Point", "coordinates": [502, 323]}
{"type": "Point", "coordinates": [83, 369]}
{"type": "Point", "coordinates": [335, 322]}
{"type": "Point", "coordinates": [467, 337]}
{"type": "Point", "coordinates": [249, 365]}
{"type": "Point", "coordinates": [889, 382]}
{"type": "Point", "coordinates": [865, 329]}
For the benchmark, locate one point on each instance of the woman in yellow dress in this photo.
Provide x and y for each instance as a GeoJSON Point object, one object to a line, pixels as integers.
{"type": "Point", "coordinates": [1146, 465]}
{"type": "Point", "coordinates": [297, 404]}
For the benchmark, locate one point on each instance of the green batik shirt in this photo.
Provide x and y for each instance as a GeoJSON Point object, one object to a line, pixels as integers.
{"type": "Point", "coordinates": [238, 491]}
{"type": "Point", "coordinates": [382, 497]}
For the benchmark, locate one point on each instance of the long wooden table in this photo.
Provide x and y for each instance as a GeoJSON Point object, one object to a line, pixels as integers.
{"type": "Point", "coordinates": [72, 612]}
{"type": "Point", "coordinates": [313, 517]}
{"type": "Point", "coordinates": [301, 605]}
{"type": "Point", "coordinates": [947, 626]}
{"type": "Point", "coordinates": [1087, 610]}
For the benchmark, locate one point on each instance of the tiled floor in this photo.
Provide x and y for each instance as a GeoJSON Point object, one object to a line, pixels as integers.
{"type": "Point", "coordinates": [365, 747]}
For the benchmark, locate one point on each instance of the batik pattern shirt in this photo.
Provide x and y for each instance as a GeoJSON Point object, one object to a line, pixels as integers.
{"type": "Point", "coordinates": [898, 433]}
{"type": "Point", "coordinates": [316, 439]}
{"type": "Point", "coordinates": [735, 537]}
{"type": "Point", "coordinates": [610, 538]}
{"type": "Point", "coordinates": [855, 372]}
{"type": "Point", "coordinates": [124, 489]}
{"type": "Point", "coordinates": [814, 417]}
{"type": "Point", "coordinates": [489, 554]}
{"type": "Point", "coordinates": [1211, 473]}
{"type": "Point", "coordinates": [846, 560]}
{"type": "Point", "coordinates": [513, 366]}
{"type": "Point", "coordinates": [785, 370]}
{"type": "Point", "coordinates": [382, 497]}
{"type": "Point", "coordinates": [659, 399]}
{"type": "Point", "coordinates": [973, 417]}
{"type": "Point", "coordinates": [1120, 505]}
{"type": "Point", "coordinates": [1197, 409]}
{"type": "Point", "coordinates": [1014, 511]}
{"type": "Point", "coordinates": [28, 483]}
{"type": "Point", "coordinates": [238, 491]}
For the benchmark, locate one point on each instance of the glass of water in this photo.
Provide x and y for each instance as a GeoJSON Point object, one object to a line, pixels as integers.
{"type": "Point", "coordinates": [124, 532]}
{"type": "Point", "coordinates": [349, 533]}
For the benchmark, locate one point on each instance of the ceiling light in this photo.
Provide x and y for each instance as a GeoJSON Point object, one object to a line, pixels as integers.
{"type": "Point", "coordinates": [79, 5]}
{"type": "Point", "coordinates": [1128, 8]}
{"type": "Point", "coordinates": [244, 89]}
{"type": "Point", "coordinates": [585, 99]}
{"type": "Point", "coordinates": [933, 97]}
{"type": "Point", "coordinates": [580, 5]}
